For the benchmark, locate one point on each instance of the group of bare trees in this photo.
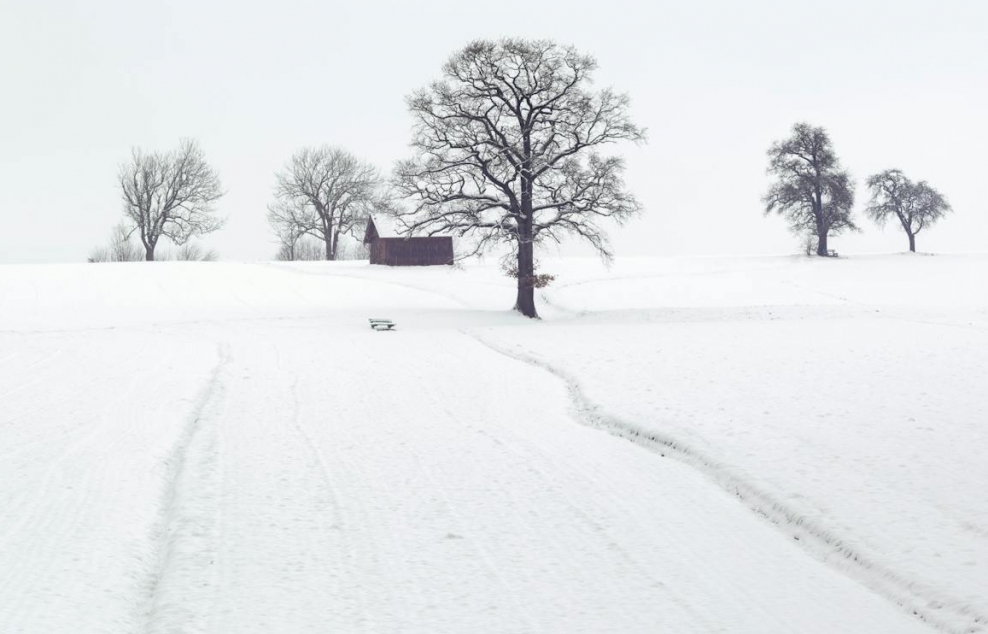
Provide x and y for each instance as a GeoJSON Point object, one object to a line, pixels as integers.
{"type": "Point", "coordinates": [120, 248]}
{"type": "Point", "coordinates": [322, 194]}
{"type": "Point", "coordinates": [506, 152]}
{"type": "Point", "coordinates": [308, 249]}
{"type": "Point", "coordinates": [816, 196]}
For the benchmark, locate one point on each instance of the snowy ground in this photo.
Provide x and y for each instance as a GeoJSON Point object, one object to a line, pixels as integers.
{"type": "Point", "coordinates": [794, 446]}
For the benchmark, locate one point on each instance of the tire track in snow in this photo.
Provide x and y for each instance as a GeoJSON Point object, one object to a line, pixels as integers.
{"type": "Point", "coordinates": [168, 529]}
{"type": "Point", "coordinates": [930, 605]}
{"type": "Point", "coordinates": [339, 519]}
{"type": "Point", "coordinates": [480, 548]}
{"type": "Point", "coordinates": [70, 515]}
{"type": "Point", "coordinates": [52, 518]}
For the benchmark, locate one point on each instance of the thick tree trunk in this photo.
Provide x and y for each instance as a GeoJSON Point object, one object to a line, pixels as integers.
{"type": "Point", "coordinates": [912, 242]}
{"type": "Point", "coordinates": [525, 304]}
{"type": "Point", "coordinates": [821, 225]}
{"type": "Point", "coordinates": [331, 235]}
{"type": "Point", "coordinates": [148, 254]}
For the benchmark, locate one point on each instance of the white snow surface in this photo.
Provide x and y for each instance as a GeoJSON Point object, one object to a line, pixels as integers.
{"type": "Point", "coordinates": [751, 445]}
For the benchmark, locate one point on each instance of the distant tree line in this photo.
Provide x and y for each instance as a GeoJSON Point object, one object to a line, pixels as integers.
{"type": "Point", "coordinates": [507, 150]}
{"type": "Point", "coordinates": [816, 195]}
{"type": "Point", "coordinates": [121, 249]}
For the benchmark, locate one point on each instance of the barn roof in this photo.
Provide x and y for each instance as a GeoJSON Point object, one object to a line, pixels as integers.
{"type": "Point", "coordinates": [385, 226]}
{"type": "Point", "coordinates": [389, 227]}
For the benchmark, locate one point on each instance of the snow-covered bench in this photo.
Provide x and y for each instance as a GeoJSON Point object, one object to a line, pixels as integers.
{"type": "Point", "coordinates": [381, 324]}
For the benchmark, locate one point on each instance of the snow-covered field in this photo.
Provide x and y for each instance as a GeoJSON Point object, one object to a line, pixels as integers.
{"type": "Point", "coordinates": [752, 445]}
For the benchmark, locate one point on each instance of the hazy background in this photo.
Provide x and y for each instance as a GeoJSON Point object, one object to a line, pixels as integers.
{"type": "Point", "coordinates": [898, 83]}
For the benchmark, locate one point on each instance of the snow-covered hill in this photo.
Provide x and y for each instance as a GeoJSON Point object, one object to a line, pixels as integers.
{"type": "Point", "coordinates": [681, 445]}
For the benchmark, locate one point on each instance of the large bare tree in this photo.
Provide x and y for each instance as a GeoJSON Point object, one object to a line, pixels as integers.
{"type": "Point", "coordinates": [915, 205]}
{"type": "Point", "coordinates": [170, 194]}
{"type": "Point", "coordinates": [322, 192]}
{"type": "Point", "coordinates": [507, 152]}
{"type": "Point", "coordinates": [811, 191]}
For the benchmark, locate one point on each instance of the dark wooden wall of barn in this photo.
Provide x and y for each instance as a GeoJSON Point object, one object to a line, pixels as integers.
{"type": "Point", "coordinates": [412, 251]}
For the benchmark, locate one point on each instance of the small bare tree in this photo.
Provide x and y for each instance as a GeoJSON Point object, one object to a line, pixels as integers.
{"type": "Point", "coordinates": [323, 192]}
{"type": "Point", "coordinates": [192, 252]}
{"type": "Point", "coordinates": [119, 249]}
{"type": "Point", "coordinates": [506, 152]}
{"type": "Point", "coordinates": [170, 194]}
{"type": "Point", "coordinates": [304, 249]}
{"type": "Point", "coordinates": [916, 205]}
{"type": "Point", "coordinates": [812, 191]}
{"type": "Point", "coordinates": [290, 236]}
{"type": "Point", "coordinates": [808, 243]}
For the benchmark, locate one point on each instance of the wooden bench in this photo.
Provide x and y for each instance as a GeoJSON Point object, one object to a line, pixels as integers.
{"type": "Point", "coordinates": [832, 253]}
{"type": "Point", "coordinates": [381, 324]}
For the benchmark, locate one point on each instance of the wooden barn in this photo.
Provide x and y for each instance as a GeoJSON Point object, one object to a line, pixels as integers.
{"type": "Point", "coordinates": [388, 247]}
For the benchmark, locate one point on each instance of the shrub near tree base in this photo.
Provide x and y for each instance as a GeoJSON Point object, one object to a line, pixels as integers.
{"type": "Point", "coordinates": [537, 280]}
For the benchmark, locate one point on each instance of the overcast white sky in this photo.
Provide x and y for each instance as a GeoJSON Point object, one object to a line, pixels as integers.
{"type": "Point", "coordinates": [898, 83]}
